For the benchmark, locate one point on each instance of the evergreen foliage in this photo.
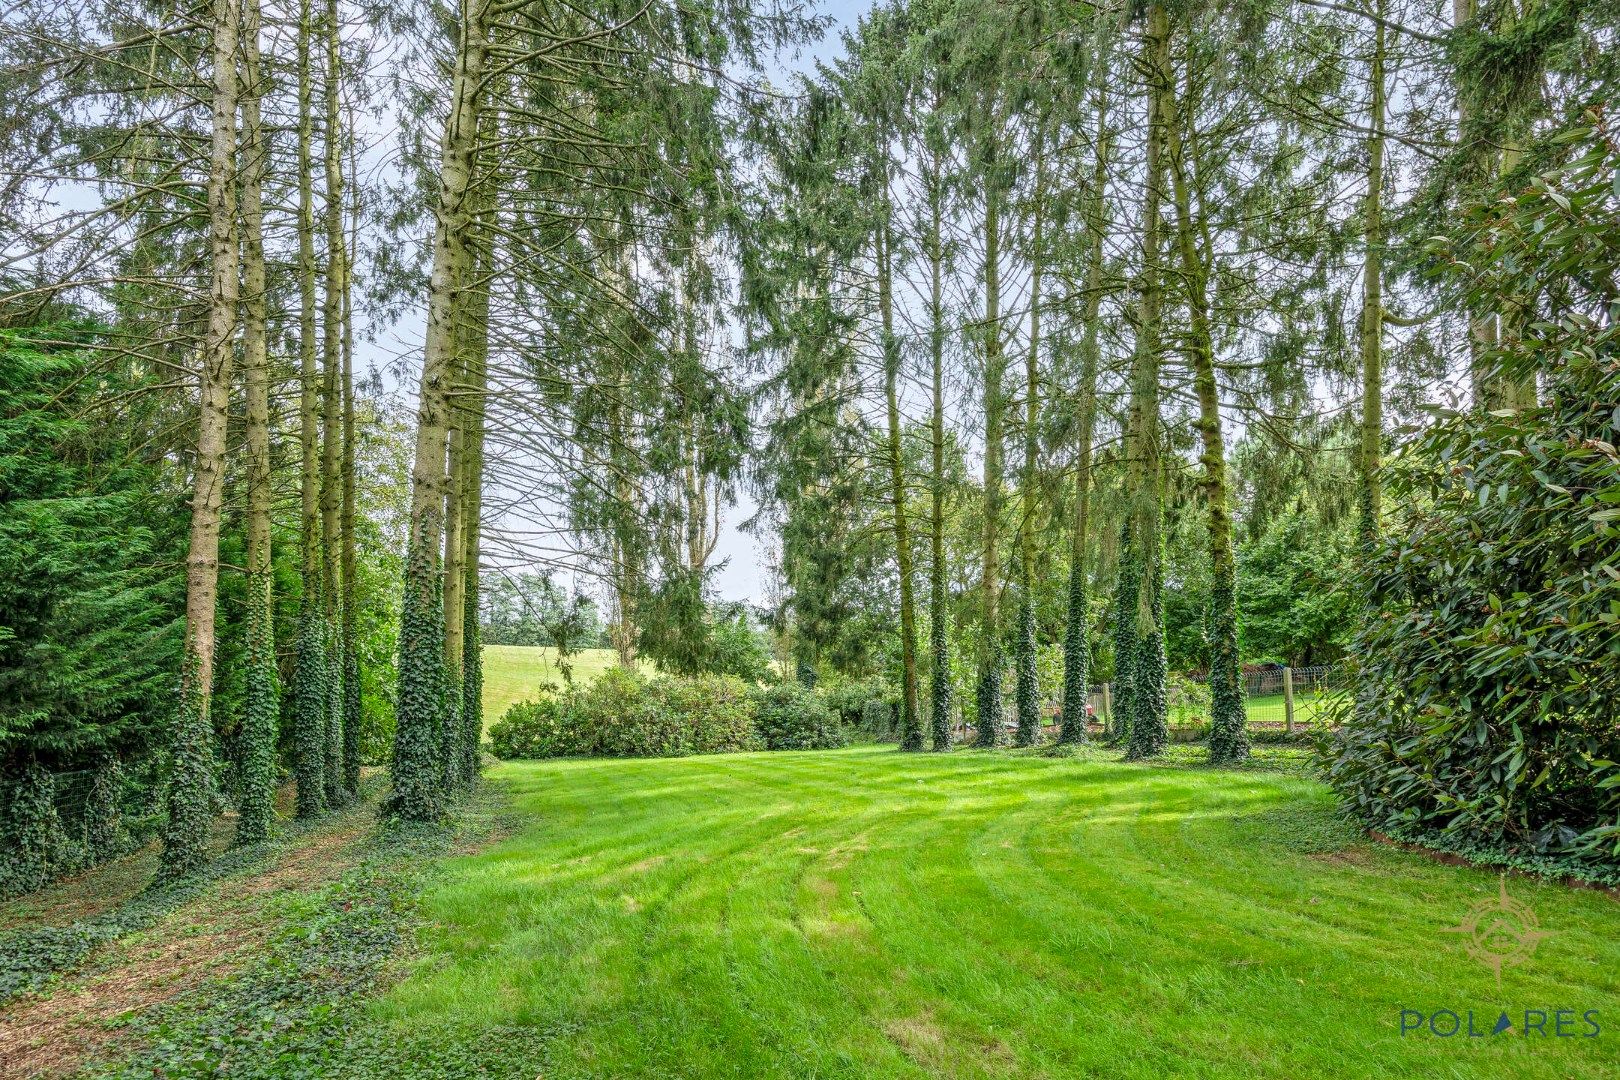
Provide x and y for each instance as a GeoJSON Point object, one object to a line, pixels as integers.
{"type": "Point", "coordinates": [1076, 661]}
{"type": "Point", "coordinates": [189, 792]}
{"type": "Point", "coordinates": [987, 732]}
{"type": "Point", "coordinates": [105, 836]}
{"type": "Point", "coordinates": [1150, 729]}
{"type": "Point", "coordinates": [35, 841]}
{"type": "Point", "coordinates": [1126, 585]}
{"type": "Point", "coordinates": [472, 681]}
{"type": "Point", "coordinates": [417, 767]}
{"type": "Point", "coordinates": [1028, 690]}
{"type": "Point", "coordinates": [310, 710]}
{"type": "Point", "coordinates": [1487, 665]}
{"type": "Point", "coordinates": [333, 789]}
{"type": "Point", "coordinates": [256, 741]}
{"type": "Point", "coordinates": [1228, 733]}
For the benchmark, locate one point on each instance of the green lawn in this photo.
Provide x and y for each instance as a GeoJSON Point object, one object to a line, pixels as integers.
{"type": "Point", "coordinates": [861, 914]}
{"type": "Point", "coordinates": [1269, 708]}
{"type": "Point", "coordinates": [515, 672]}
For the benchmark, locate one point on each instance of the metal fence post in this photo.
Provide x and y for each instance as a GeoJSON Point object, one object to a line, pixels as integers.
{"type": "Point", "coordinates": [1288, 699]}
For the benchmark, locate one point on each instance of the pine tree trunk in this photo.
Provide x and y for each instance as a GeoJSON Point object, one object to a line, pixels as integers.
{"type": "Point", "coordinates": [191, 778]}
{"type": "Point", "coordinates": [256, 765]}
{"type": "Point", "coordinates": [418, 770]}
{"type": "Point", "coordinates": [312, 674]}
{"type": "Point", "coordinates": [1028, 692]}
{"type": "Point", "coordinates": [1076, 640]}
{"type": "Point", "coordinates": [1149, 722]}
{"type": "Point", "coordinates": [1228, 737]}
{"type": "Point", "coordinates": [939, 595]}
{"type": "Point", "coordinates": [332, 305]}
{"type": "Point", "coordinates": [1372, 305]}
{"type": "Point", "coordinates": [990, 655]}
{"type": "Point", "coordinates": [346, 522]}
{"type": "Point", "coordinates": [472, 503]}
{"type": "Point", "coordinates": [1127, 586]}
{"type": "Point", "coordinates": [911, 735]}
{"type": "Point", "coordinates": [455, 580]}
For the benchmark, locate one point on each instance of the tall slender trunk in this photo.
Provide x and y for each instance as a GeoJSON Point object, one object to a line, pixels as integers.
{"type": "Point", "coordinates": [1028, 694]}
{"type": "Point", "coordinates": [257, 745]}
{"type": "Point", "coordinates": [939, 596]}
{"type": "Point", "coordinates": [455, 581]}
{"type": "Point", "coordinates": [911, 735]}
{"type": "Point", "coordinates": [1149, 726]}
{"type": "Point", "coordinates": [995, 364]}
{"type": "Point", "coordinates": [310, 679]}
{"type": "Point", "coordinates": [1228, 737]}
{"type": "Point", "coordinates": [1372, 302]}
{"type": "Point", "coordinates": [1488, 152]}
{"type": "Point", "coordinates": [1076, 642]}
{"type": "Point", "coordinates": [472, 496]}
{"type": "Point", "coordinates": [417, 770]}
{"type": "Point", "coordinates": [332, 304]}
{"type": "Point", "coordinates": [346, 519]}
{"type": "Point", "coordinates": [190, 787]}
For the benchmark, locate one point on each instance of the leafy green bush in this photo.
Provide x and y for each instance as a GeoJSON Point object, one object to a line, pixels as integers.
{"type": "Point", "coordinates": [1487, 692]}
{"type": "Point", "coordinates": [866, 706]}
{"type": "Point", "coordinates": [622, 714]}
{"type": "Point", "coordinates": [717, 712]}
{"type": "Point", "coordinates": [791, 717]}
{"type": "Point", "coordinates": [542, 728]}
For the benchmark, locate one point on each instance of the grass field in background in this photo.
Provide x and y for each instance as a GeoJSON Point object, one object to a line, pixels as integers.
{"type": "Point", "coordinates": [515, 672]}
{"type": "Point", "coordinates": [1269, 708]}
{"type": "Point", "coordinates": [863, 913]}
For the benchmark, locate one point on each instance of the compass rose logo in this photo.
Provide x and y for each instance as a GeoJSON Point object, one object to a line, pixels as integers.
{"type": "Point", "coordinates": [1500, 932]}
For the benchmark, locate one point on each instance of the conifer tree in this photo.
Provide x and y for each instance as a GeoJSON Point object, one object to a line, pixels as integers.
{"type": "Point", "coordinates": [1149, 723]}
{"type": "Point", "coordinates": [189, 793]}
{"type": "Point", "coordinates": [256, 771]}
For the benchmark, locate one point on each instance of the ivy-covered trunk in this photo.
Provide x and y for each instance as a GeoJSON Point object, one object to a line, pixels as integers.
{"type": "Point", "coordinates": [190, 789]}
{"type": "Point", "coordinates": [1372, 305]}
{"type": "Point", "coordinates": [1076, 631]}
{"type": "Point", "coordinates": [332, 308]}
{"type": "Point", "coordinates": [1228, 735]}
{"type": "Point", "coordinates": [31, 830]}
{"type": "Point", "coordinates": [312, 674]}
{"type": "Point", "coordinates": [1127, 584]}
{"type": "Point", "coordinates": [256, 744]}
{"type": "Point", "coordinates": [476, 363]}
{"type": "Point", "coordinates": [104, 834]}
{"type": "Point", "coordinates": [418, 732]}
{"type": "Point", "coordinates": [939, 646]}
{"type": "Point", "coordinates": [1149, 724]}
{"type": "Point", "coordinates": [911, 736]}
{"type": "Point", "coordinates": [1028, 690]}
{"type": "Point", "coordinates": [990, 654]}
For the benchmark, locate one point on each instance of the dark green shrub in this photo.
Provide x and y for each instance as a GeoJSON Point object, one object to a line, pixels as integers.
{"type": "Point", "coordinates": [1487, 669]}
{"type": "Point", "coordinates": [34, 842]}
{"type": "Point", "coordinates": [622, 714]}
{"type": "Point", "coordinates": [880, 720]}
{"type": "Point", "coordinates": [718, 711]}
{"type": "Point", "coordinates": [791, 717]}
{"type": "Point", "coordinates": [542, 728]}
{"type": "Point", "coordinates": [105, 836]}
{"type": "Point", "coordinates": [865, 706]}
